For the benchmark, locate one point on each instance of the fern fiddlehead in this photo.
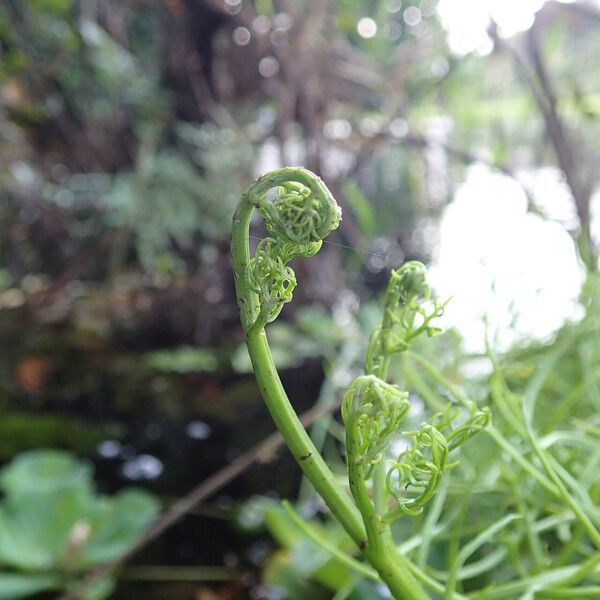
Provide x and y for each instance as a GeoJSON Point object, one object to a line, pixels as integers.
{"type": "Point", "coordinates": [299, 212]}
{"type": "Point", "coordinates": [386, 489]}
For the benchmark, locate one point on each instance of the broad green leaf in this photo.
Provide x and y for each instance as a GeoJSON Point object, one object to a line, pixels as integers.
{"type": "Point", "coordinates": [35, 528]}
{"type": "Point", "coordinates": [14, 586]}
{"type": "Point", "coordinates": [44, 471]}
{"type": "Point", "coordinates": [115, 524]}
{"type": "Point", "coordinates": [50, 518]}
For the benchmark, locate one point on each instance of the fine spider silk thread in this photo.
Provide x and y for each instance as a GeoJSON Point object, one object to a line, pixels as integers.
{"type": "Point", "coordinates": [340, 245]}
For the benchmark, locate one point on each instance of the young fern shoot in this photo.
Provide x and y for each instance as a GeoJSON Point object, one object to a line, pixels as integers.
{"type": "Point", "coordinates": [384, 489]}
{"type": "Point", "coordinates": [299, 212]}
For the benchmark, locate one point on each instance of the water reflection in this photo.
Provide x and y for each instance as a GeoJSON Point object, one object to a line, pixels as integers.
{"type": "Point", "coordinates": [198, 430]}
{"type": "Point", "coordinates": [109, 449]}
{"type": "Point", "coordinates": [143, 467]}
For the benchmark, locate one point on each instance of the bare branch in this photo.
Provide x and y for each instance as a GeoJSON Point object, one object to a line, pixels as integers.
{"type": "Point", "coordinates": [262, 452]}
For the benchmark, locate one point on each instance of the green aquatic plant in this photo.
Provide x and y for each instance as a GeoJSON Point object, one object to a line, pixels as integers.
{"type": "Point", "coordinates": [299, 212]}
{"type": "Point", "coordinates": [55, 527]}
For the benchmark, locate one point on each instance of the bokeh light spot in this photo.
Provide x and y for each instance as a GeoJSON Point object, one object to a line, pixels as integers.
{"type": "Point", "coordinates": [241, 36]}
{"type": "Point", "coordinates": [366, 27]}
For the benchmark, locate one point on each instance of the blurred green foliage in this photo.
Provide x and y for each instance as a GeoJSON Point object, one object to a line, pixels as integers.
{"type": "Point", "coordinates": [21, 431]}
{"type": "Point", "coordinates": [173, 197]}
{"type": "Point", "coordinates": [185, 359]}
{"type": "Point", "coordinates": [128, 130]}
{"type": "Point", "coordinates": [54, 527]}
